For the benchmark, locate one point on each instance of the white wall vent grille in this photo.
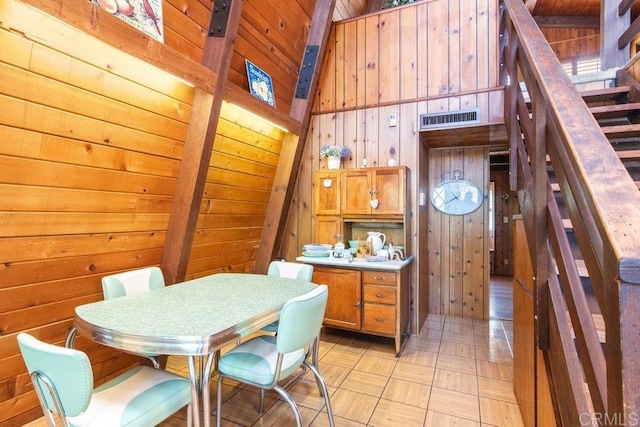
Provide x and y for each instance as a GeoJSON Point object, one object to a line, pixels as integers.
{"type": "Point", "coordinates": [449, 118]}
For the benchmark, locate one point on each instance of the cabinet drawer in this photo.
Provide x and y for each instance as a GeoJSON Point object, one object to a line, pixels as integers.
{"type": "Point", "coordinates": [380, 294]}
{"type": "Point", "coordinates": [380, 318]}
{"type": "Point", "coordinates": [379, 277]}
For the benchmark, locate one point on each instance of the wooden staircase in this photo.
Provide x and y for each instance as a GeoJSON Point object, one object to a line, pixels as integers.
{"type": "Point", "coordinates": [620, 122]}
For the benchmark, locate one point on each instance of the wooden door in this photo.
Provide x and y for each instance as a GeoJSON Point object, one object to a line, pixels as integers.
{"type": "Point", "coordinates": [327, 192]}
{"type": "Point", "coordinates": [345, 301]}
{"type": "Point", "coordinates": [356, 192]}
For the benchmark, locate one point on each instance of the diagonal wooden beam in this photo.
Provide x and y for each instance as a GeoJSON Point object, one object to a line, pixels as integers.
{"type": "Point", "coordinates": [197, 150]}
{"type": "Point", "coordinates": [291, 154]}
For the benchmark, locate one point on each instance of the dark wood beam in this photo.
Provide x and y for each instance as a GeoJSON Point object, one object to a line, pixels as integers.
{"type": "Point", "coordinates": [291, 154]}
{"type": "Point", "coordinates": [567, 21]}
{"type": "Point", "coordinates": [197, 151]}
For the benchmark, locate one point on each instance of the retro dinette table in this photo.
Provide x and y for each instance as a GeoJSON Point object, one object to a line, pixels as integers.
{"type": "Point", "coordinates": [195, 319]}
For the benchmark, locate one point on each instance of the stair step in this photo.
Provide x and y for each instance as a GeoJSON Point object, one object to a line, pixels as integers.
{"type": "Point", "coordinates": [582, 268]}
{"type": "Point", "coordinates": [624, 131]}
{"type": "Point", "coordinates": [604, 95]}
{"type": "Point", "coordinates": [615, 110]}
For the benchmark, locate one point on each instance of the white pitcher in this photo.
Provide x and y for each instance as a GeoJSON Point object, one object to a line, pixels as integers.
{"type": "Point", "coordinates": [377, 240]}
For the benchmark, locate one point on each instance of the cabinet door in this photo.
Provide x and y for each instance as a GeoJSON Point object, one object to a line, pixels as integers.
{"type": "Point", "coordinates": [344, 303]}
{"type": "Point", "coordinates": [327, 192]}
{"type": "Point", "coordinates": [389, 188]}
{"type": "Point", "coordinates": [326, 228]}
{"type": "Point", "coordinates": [356, 188]}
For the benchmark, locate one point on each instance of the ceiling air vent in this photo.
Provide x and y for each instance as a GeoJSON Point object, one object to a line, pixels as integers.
{"type": "Point", "coordinates": [449, 118]}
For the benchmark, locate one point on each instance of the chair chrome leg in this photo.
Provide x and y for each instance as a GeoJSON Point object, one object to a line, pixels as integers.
{"type": "Point", "coordinates": [292, 404]}
{"type": "Point", "coordinates": [324, 392]}
{"type": "Point", "coordinates": [154, 361]}
{"type": "Point", "coordinates": [261, 409]}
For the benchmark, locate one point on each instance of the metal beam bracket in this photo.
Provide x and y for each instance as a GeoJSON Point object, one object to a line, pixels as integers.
{"type": "Point", "coordinates": [219, 18]}
{"type": "Point", "coordinates": [306, 71]}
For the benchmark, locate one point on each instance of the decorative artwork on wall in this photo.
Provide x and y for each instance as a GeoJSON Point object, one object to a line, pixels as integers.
{"type": "Point", "coordinates": [260, 84]}
{"type": "Point", "coordinates": [145, 15]}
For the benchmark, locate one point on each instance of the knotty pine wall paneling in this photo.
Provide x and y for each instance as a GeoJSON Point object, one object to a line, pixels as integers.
{"type": "Point", "coordinates": [90, 145]}
{"type": "Point", "coordinates": [238, 187]}
{"type": "Point", "coordinates": [357, 92]}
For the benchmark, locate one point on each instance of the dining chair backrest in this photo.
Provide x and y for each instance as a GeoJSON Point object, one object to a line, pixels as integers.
{"type": "Point", "coordinates": [68, 370]}
{"type": "Point", "coordinates": [132, 282]}
{"type": "Point", "coordinates": [301, 320]}
{"type": "Point", "coordinates": [291, 270]}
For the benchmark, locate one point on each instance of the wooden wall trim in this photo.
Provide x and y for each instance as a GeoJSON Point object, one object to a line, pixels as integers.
{"type": "Point", "coordinates": [90, 18]}
{"type": "Point", "coordinates": [197, 153]}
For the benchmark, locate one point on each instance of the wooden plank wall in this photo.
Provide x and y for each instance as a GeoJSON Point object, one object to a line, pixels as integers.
{"type": "Point", "coordinates": [89, 163]}
{"type": "Point", "coordinates": [346, 9]}
{"type": "Point", "coordinates": [458, 244]}
{"type": "Point", "coordinates": [571, 43]}
{"type": "Point", "coordinates": [426, 57]}
{"type": "Point", "coordinates": [239, 182]}
{"type": "Point", "coordinates": [91, 141]}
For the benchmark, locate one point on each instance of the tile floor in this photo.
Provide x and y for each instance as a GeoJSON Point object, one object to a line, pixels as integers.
{"type": "Point", "coordinates": [457, 372]}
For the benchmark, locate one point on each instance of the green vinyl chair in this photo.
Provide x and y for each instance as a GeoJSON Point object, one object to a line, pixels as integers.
{"type": "Point", "coordinates": [128, 283]}
{"type": "Point", "coordinates": [63, 381]}
{"type": "Point", "coordinates": [290, 270]}
{"type": "Point", "coordinates": [266, 359]}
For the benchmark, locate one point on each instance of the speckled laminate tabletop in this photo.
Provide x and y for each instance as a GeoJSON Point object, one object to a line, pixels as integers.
{"type": "Point", "coordinates": [190, 318]}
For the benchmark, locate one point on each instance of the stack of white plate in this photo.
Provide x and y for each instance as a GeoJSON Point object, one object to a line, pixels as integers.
{"type": "Point", "coordinates": [316, 250]}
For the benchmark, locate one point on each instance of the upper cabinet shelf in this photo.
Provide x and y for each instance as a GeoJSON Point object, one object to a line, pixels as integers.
{"type": "Point", "coordinates": [374, 191]}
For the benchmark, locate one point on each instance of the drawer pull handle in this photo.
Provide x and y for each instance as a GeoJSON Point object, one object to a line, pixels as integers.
{"type": "Point", "coordinates": [358, 304]}
{"type": "Point", "coordinates": [380, 295]}
{"type": "Point", "coordinates": [379, 277]}
{"type": "Point", "coordinates": [378, 319]}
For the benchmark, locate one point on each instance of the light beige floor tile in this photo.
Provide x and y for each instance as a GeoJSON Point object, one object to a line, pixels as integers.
{"type": "Point", "coordinates": [356, 345]}
{"type": "Point", "coordinates": [419, 343]}
{"type": "Point", "coordinates": [458, 364]}
{"type": "Point", "coordinates": [499, 413]}
{"type": "Point", "coordinates": [500, 371]}
{"type": "Point", "coordinates": [365, 382]}
{"type": "Point", "coordinates": [458, 338]}
{"type": "Point", "coordinates": [454, 403]}
{"type": "Point", "coordinates": [376, 365]}
{"type": "Point", "coordinates": [494, 355]}
{"type": "Point", "coordinates": [333, 375]}
{"type": "Point", "coordinates": [385, 350]}
{"type": "Point", "coordinates": [242, 407]}
{"type": "Point", "coordinates": [391, 414]}
{"type": "Point", "coordinates": [437, 419]}
{"type": "Point", "coordinates": [458, 328]}
{"type": "Point", "coordinates": [322, 420]}
{"type": "Point", "coordinates": [431, 334]}
{"type": "Point", "coordinates": [415, 373]}
{"type": "Point", "coordinates": [353, 406]}
{"type": "Point", "coordinates": [461, 320]}
{"type": "Point", "coordinates": [305, 393]}
{"type": "Point", "coordinates": [419, 357]}
{"type": "Point", "coordinates": [496, 389]}
{"type": "Point", "coordinates": [346, 359]}
{"type": "Point", "coordinates": [492, 342]}
{"type": "Point", "coordinates": [281, 414]}
{"type": "Point", "coordinates": [407, 392]}
{"type": "Point", "coordinates": [457, 349]}
{"type": "Point", "coordinates": [456, 381]}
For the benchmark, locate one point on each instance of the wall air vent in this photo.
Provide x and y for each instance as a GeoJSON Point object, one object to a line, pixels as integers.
{"type": "Point", "coordinates": [449, 118]}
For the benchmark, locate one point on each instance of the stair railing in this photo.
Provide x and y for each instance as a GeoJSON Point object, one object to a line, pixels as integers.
{"type": "Point", "coordinates": [591, 384]}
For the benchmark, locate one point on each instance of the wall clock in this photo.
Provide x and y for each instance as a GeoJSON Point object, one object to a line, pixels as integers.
{"type": "Point", "coordinates": [457, 196]}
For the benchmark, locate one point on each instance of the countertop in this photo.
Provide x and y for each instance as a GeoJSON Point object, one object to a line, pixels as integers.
{"type": "Point", "coordinates": [358, 263]}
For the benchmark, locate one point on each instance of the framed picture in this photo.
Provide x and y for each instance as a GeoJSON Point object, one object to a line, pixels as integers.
{"type": "Point", "coordinates": [145, 15]}
{"type": "Point", "coordinates": [260, 84]}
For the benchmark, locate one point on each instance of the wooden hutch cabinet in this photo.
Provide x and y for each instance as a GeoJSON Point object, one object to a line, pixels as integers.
{"type": "Point", "coordinates": [368, 297]}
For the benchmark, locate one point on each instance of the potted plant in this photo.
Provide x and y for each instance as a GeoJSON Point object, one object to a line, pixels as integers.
{"type": "Point", "coordinates": [334, 153]}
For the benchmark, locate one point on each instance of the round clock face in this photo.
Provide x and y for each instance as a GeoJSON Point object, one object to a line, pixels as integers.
{"type": "Point", "coordinates": [456, 197]}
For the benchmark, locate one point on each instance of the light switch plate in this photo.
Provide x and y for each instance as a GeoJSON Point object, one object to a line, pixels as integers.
{"type": "Point", "coordinates": [393, 119]}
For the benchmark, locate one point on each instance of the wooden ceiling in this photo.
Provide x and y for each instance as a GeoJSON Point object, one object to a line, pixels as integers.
{"type": "Point", "coordinates": [550, 8]}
